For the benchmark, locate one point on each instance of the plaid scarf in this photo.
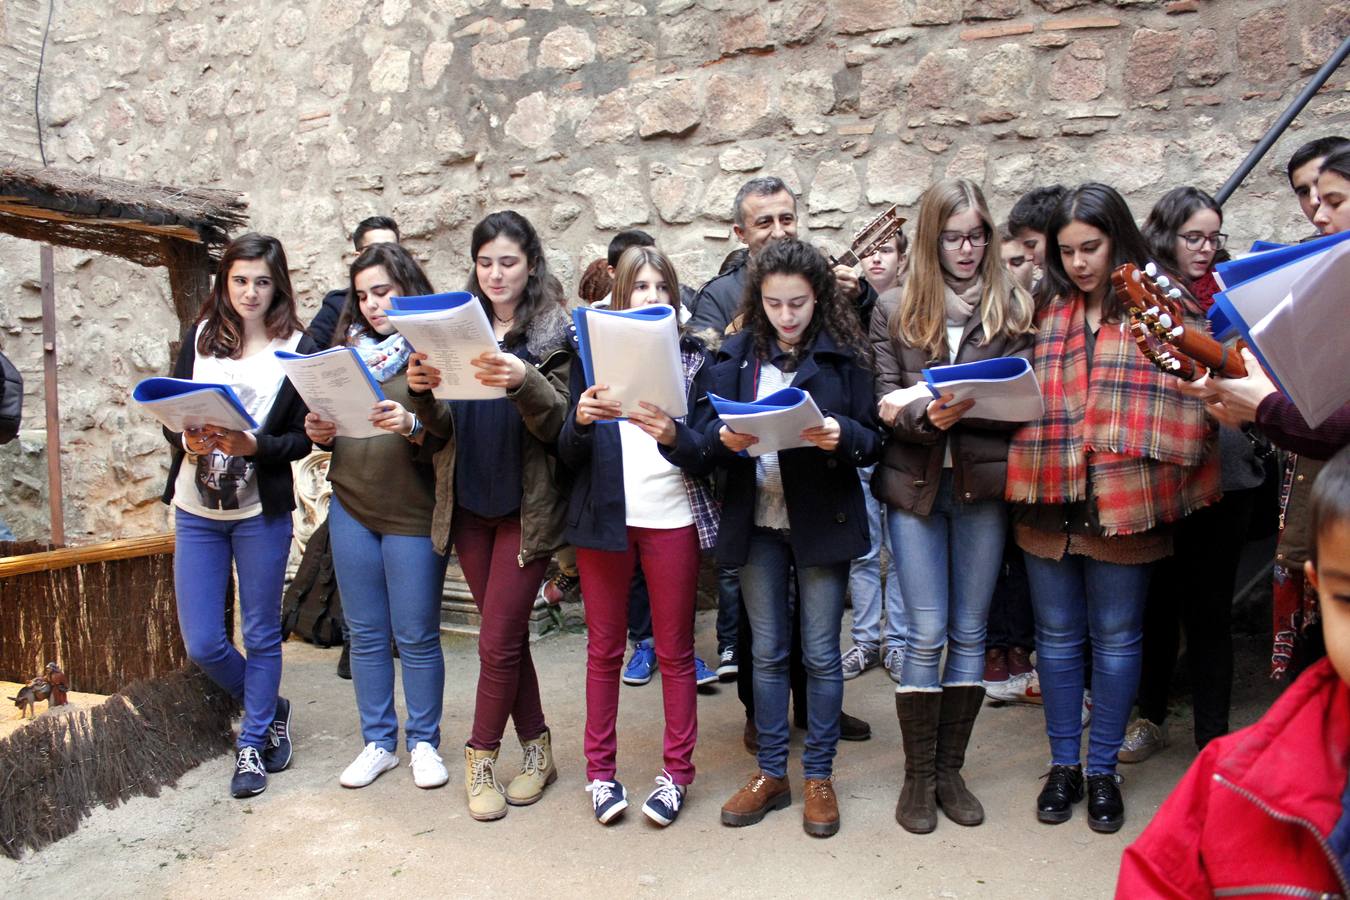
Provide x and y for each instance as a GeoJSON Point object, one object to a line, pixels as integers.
{"type": "Point", "coordinates": [1150, 452]}
{"type": "Point", "coordinates": [704, 506]}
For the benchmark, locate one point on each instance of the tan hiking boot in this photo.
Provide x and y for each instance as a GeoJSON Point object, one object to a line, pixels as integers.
{"type": "Point", "coordinates": [820, 814]}
{"type": "Point", "coordinates": [537, 772]}
{"type": "Point", "coordinates": [480, 782]}
{"type": "Point", "coordinates": [754, 801]}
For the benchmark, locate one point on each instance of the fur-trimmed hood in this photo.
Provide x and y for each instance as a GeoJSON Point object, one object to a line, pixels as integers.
{"type": "Point", "coordinates": [547, 331]}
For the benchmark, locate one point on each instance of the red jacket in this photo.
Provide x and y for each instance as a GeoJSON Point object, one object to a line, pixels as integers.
{"type": "Point", "coordinates": [1252, 816]}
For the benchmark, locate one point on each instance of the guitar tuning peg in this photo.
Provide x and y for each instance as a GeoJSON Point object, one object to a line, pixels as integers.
{"type": "Point", "coordinates": [1174, 293]}
{"type": "Point", "coordinates": [1165, 321]}
{"type": "Point", "coordinates": [1164, 282]}
{"type": "Point", "coordinates": [1136, 276]}
{"type": "Point", "coordinates": [1176, 332]}
{"type": "Point", "coordinates": [1151, 269]}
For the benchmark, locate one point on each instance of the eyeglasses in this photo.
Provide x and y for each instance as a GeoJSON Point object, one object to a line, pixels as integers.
{"type": "Point", "coordinates": [1194, 240]}
{"type": "Point", "coordinates": [952, 240]}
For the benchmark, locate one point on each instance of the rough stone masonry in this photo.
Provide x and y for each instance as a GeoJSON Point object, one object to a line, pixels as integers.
{"type": "Point", "coordinates": [590, 116]}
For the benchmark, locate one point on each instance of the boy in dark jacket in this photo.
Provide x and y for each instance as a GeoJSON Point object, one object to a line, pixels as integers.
{"type": "Point", "coordinates": [1265, 810]}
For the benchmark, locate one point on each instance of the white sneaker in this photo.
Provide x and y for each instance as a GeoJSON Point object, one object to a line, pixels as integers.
{"type": "Point", "coordinates": [373, 762]}
{"type": "Point", "coordinates": [428, 769]}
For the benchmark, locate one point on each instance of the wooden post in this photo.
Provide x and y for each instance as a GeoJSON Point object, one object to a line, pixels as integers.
{"type": "Point", "coordinates": [49, 390]}
{"type": "Point", "coordinates": [190, 269]}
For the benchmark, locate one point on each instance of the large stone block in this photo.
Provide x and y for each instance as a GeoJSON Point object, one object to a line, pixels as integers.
{"type": "Point", "coordinates": [834, 187]}
{"type": "Point", "coordinates": [807, 98]}
{"type": "Point", "coordinates": [389, 73]}
{"type": "Point", "coordinates": [616, 201]}
{"type": "Point", "coordinates": [1150, 62]}
{"type": "Point", "coordinates": [533, 123]}
{"type": "Point", "coordinates": [566, 48]}
{"type": "Point", "coordinates": [611, 119]}
{"type": "Point", "coordinates": [1078, 73]}
{"type": "Point", "coordinates": [1262, 42]}
{"type": "Point", "coordinates": [898, 173]}
{"type": "Point", "coordinates": [737, 104]}
{"type": "Point", "coordinates": [1318, 40]}
{"type": "Point", "coordinates": [676, 192]}
{"type": "Point", "coordinates": [940, 78]}
{"type": "Point", "coordinates": [863, 16]}
{"type": "Point", "coordinates": [674, 109]}
{"type": "Point", "coordinates": [1205, 66]}
{"type": "Point", "coordinates": [434, 60]}
{"type": "Point", "coordinates": [504, 61]}
{"type": "Point", "coordinates": [743, 31]}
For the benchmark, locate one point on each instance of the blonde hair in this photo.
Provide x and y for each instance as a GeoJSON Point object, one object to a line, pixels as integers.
{"type": "Point", "coordinates": [920, 319]}
{"type": "Point", "coordinates": [626, 273]}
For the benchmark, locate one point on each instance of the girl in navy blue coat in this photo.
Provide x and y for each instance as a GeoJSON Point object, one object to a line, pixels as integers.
{"type": "Point", "coordinates": [800, 508]}
{"type": "Point", "coordinates": [629, 504]}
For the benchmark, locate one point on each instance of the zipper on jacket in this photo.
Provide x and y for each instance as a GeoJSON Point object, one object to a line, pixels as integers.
{"type": "Point", "coordinates": [1279, 890]}
{"type": "Point", "coordinates": [1293, 820]}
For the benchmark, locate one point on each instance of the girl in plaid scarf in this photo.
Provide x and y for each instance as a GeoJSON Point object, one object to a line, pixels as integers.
{"type": "Point", "coordinates": [1119, 453]}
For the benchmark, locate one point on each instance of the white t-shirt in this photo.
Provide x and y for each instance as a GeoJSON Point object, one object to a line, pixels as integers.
{"type": "Point", "coordinates": [954, 333]}
{"type": "Point", "coordinates": [770, 505]}
{"type": "Point", "coordinates": [217, 486]}
{"type": "Point", "coordinates": [653, 489]}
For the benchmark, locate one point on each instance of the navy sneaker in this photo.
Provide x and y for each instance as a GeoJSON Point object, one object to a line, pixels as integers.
{"type": "Point", "coordinates": [663, 804]}
{"type": "Point", "coordinates": [641, 665]}
{"type": "Point", "coordinates": [250, 779]}
{"type": "Point", "coordinates": [728, 666]}
{"type": "Point", "coordinates": [277, 752]}
{"type": "Point", "coordinates": [702, 674]}
{"type": "Point", "coordinates": [609, 799]}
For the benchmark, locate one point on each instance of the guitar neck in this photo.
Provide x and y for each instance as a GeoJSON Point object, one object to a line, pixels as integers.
{"type": "Point", "coordinates": [847, 258]}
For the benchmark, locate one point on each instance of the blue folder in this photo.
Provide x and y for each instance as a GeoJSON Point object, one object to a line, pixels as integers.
{"type": "Point", "coordinates": [1002, 368]}
{"type": "Point", "coordinates": [403, 306]}
{"type": "Point", "coordinates": [152, 389]}
{"type": "Point", "coordinates": [653, 313]}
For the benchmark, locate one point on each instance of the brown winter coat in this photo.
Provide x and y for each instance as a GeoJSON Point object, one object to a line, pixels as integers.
{"type": "Point", "coordinates": [911, 460]}
{"type": "Point", "coordinates": [542, 401]}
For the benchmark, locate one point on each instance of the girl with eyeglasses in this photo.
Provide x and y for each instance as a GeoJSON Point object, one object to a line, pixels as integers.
{"type": "Point", "coordinates": [1193, 588]}
{"type": "Point", "coordinates": [1118, 455]}
{"type": "Point", "coordinates": [941, 477]}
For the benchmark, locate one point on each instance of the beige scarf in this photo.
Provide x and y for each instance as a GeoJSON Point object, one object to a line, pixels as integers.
{"type": "Point", "coordinates": [961, 306]}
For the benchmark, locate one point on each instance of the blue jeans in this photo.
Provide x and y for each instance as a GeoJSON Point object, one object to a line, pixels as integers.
{"type": "Point", "coordinates": [949, 562]}
{"type": "Point", "coordinates": [864, 582]}
{"type": "Point", "coordinates": [764, 591]}
{"type": "Point", "coordinates": [391, 588]}
{"type": "Point", "coordinates": [1078, 600]}
{"type": "Point", "coordinates": [203, 550]}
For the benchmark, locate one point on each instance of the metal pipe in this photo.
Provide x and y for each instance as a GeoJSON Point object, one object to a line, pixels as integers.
{"type": "Point", "coordinates": [1277, 130]}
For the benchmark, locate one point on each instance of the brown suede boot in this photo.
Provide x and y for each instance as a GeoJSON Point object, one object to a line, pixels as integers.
{"type": "Point", "coordinates": [757, 799]}
{"type": "Point", "coordinates": [956, 719]}
{"type": "Point", "coordinates": [820, 814]}
{"type": "Point", "coordinates": [918, 712]}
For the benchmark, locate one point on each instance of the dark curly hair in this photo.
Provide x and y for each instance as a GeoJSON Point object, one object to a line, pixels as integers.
{"type": "Point", "coordinates": [832, 313]}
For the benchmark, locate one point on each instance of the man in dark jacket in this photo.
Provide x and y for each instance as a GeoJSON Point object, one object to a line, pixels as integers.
{"type": "Point", "coordinates": [765, 210]}
{"type": "Point", "coordinates": [374, 230]}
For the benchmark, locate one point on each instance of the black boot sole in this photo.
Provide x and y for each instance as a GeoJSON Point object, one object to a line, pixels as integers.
{"type": "Point", "coordinates": [1106, 826]}
{"type": "Point", "coordinates": [1054, 817]}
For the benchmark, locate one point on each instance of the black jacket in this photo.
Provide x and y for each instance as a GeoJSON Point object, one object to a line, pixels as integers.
{"type": "Point", "coordinates": [326, 319]}
{"type": "Point", "coordinates": [718, 301]}
{"type": "Point", "coordinates": [281, 439]}
{"type": "Point", "coordinates": [596, 514]}
{"type": "Point", "coordinates": [826, 512]}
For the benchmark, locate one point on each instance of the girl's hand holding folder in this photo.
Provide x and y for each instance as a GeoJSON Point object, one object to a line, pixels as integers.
{"type": "Point", "coordinates": [422, 377]}
{"type": "Point", "coordinates": [591, 409]}
{"type": "Point", "coordinates": [655, 422]}
{"type": "Point", "coordinates": [825, 436]}
{"type": "Point", "coordinates": [234, 443]}
{"type": "Point", "coordinates": [319, 430]}
{"type": "Point", "coordinates": [497, 369]}
{"type": "Point", "coordinates": [943, 416]}
{"type": "Point", "coordinates": [734, 442]}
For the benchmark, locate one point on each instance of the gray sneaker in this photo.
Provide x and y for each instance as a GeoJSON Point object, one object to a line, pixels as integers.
{"type": "Point", "coordinates": [858, 660]}
{"type": "Point", "coordinates": [895, 661]}
{"type": "Point", "coordinates": [1142, 740]}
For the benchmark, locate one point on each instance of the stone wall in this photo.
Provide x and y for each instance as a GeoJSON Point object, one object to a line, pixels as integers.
{"type": "Point", "coordinates": [594, 115]}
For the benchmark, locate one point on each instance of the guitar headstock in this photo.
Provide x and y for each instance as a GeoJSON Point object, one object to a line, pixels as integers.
{"type": "Point", "coordinates": [1158, 324]}
{"type": "Point", "coordinates": [867, 239]}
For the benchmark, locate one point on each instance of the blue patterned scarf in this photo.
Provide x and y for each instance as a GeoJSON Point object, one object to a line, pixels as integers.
{"type": "Point", "coordinates": [385, 358]}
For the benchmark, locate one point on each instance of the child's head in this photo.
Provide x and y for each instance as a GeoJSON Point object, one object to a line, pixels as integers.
{"type": "Point", "coordinates": [1328, 570]}
{"type": "Point", "coordinates": [645, 276]}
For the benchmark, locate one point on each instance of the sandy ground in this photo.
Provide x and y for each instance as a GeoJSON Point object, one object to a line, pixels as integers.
{"type": "Point", "coordinates": [11, 716]}
{"type": "Point", "coordinates": [308, 837]}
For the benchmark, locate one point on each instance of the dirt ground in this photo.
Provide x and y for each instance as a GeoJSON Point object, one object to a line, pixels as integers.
{"type": "Point", "coordinates": [308, 837]}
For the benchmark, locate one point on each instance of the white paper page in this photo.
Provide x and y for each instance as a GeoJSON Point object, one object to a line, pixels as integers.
{"type": "Point", "coordinates": [1002, 400]}
{"type": "Point", "coordinates": [1254, 299]}
{"type": "Point", "coordinates": [1304, 339]}
{"type": "Point", "coordinates": [450, 338]}
{"type": "Point", "coordinates": [335, 387]}
{"type": "Point", "coordinates": [195, 410]}
{"type": "Point", "coordinates": [639, 360]}
{"type": "Point", "coordinates": [777, 430]}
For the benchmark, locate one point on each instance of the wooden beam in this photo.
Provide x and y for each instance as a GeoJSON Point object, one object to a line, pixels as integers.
{"type": "Point", "coordinates": [17, 207]}
{"type": "Point", "coordinates": [49, 389]}
{"type": "Point", "coordinates": [190, 271]}
{"type": "Point", "coordinates": [130, 548]}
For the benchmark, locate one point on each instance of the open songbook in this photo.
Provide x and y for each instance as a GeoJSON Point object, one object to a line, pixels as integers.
{"type": "Point", "coordinates": [636, 352]}
{"type": "Point", "coordinates": [1004, 389]}
{"type": "Point", "coordinates": [337, 387]}
{"type": "Point", "coordinates": [778, 420]}
{"type": "Point", "coordinates": [181, 403]}
{"type": "Point", "coordinates": [450, 329]}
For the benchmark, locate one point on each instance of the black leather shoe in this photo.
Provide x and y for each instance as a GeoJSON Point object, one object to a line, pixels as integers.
{"type": "Point", "coordinates": [1063, 788]}
{"type": "Point", "coordinates": [853, 729]}
{"type": "Point", "coordinates": [1106, 809]}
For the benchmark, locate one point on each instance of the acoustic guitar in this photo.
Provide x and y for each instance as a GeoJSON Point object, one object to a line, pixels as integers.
{"type": "Point", "coordinates": [1158, 324]}
{"type": "Point", "coordinates": [868, 238]}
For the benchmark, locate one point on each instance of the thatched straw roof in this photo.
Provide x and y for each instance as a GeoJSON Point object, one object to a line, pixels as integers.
{"type": "Point", "coordinates": [134, 221]}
